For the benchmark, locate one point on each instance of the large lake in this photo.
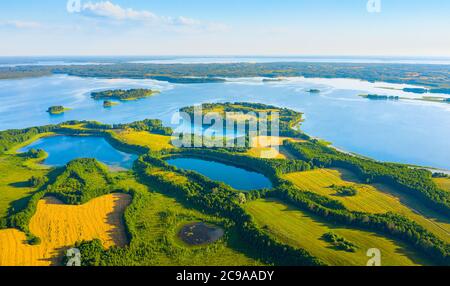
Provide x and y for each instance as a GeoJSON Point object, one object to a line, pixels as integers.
{"type": "Point", "coordinates": [411, 132]}
{"type": "Point", "coordinates": [237, 178]}
{"type": "Point", "coordinates": [63, 149]}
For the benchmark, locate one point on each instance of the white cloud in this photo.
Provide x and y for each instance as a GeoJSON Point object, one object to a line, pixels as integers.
{"type": "Point", "coordinates": [20, 24]}
{"type": "Point", "coordinates": [109, 10]}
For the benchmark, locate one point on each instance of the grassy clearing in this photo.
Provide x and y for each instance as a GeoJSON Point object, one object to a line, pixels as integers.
{"type": "Point", "coordinates": [376, 198]}
{"type": "Point", "coordinates": [14, 186]}
{"type": "Point", "coordinates": [60, 226]}
{"type": "Point", "coordinates": [296, 228]}
{"type": "Point", "coordinates": [154, 142]}
{"type": "Point", "coordinates": [158, 223]}
{"type": "Point", "coordinates": [443, 183]}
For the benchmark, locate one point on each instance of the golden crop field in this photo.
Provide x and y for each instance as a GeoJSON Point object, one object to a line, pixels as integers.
{"type": "Point", "coordinates": [60, 226]}
{"type": "Point", "coordinates": [443, 183]}
{"type": "Point", "coordinates": [160, 221]}
{"type": "Point", "coordinates": [143, 138]}
{"type": "Point", "coordinates": [264, 147]}
{"type": "Point", "coordinates": [375, 198]}
{"type": "Point", "coordinates": [298, 229]}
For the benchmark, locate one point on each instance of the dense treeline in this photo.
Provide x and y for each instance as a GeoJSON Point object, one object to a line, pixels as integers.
{"type": "Point", "coordinates": [120, 94]}
{"type": "Point", "coordinates": [34, 154]}
{"type": "Point", "coordinates": [81, 181]}
{"type": "Point", "coordinates": [433, 76]}
{"type": "Point", "coordinates": [14, 137]}
{"type": "Point", "coordinates": [272, 168]}
{"type": "Point", "coordinates": [78, 182]}
{"type": "Point", "coordinates": [143, 251]}
{"type": "Point", "coordinates": [10, 138]}
{"type": "Point", "coordinates": [21, 219]}
{"type": "Point", "coordinates": [389, 223]}
{"type": "Point", "coordinates": [414, 181]}
{"type": "Point", "coordinates": [151, 125]}
{"type": "Point", "coordinates": [219, 199]}
{"type": "Point", "coordinates": [288, 119]}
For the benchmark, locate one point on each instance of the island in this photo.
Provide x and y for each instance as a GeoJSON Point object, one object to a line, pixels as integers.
{"type": "Point", "coordinates": [390, 97]}
{"type": "Point", "coordinates": [272, 79]}
{"type": "Point", "coordinates": [416, 90]}
{"type": "Point", "coordinates": [379, 97]}
{"type": "Point", "coordinates": [124, 95]}
{"type": "Point", "coordinates": [109, 103]}
{"type": "Point", "coordinates": [55, 110]}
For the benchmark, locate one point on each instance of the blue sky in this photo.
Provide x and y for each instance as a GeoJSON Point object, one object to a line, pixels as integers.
{"type": "Point", "coordinates": [225, 27]}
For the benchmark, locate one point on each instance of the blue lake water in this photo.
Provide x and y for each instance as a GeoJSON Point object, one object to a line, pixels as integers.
{"type": "Point", "coordinates": [63, 149]}
{"type": "Point", "coordinates": [403, 131]}
{"type": "Point", "coordinates": [237, 178]}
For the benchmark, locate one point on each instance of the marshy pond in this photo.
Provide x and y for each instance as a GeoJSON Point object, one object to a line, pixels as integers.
{"type": "Point", "coordinates": [200, 233]}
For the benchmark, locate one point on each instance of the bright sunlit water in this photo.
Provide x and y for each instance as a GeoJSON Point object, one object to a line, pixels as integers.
{"type": "Point", "coordinates": [237, 178]}
{"type": "Point", "coordinates": [63, 149]}
{"type": "Point", "coordinates": [403, 131]}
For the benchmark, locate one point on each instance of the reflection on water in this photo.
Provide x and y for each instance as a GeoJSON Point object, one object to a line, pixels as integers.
{"type": "Point", "coordinates": [237, 178]}
{"type": "Point", "coordinates": [63, 149]}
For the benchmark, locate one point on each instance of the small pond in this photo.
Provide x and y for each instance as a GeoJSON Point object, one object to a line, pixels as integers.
{"type": "Point", "coordinates": [238, 178]}
{"type": "Point", "coordinates": [63, 149]}
{"type": "Point", "coordinates": [200, 233]}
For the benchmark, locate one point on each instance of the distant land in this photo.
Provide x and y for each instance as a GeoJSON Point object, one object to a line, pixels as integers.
{"type": "Point", "coordinates": [395, 98]}
{"type": "Point", "coordinates": [433, 78]}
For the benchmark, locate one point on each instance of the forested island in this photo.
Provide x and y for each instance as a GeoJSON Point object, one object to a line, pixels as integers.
{"type": "Point", "coordinates": [123, 95]}
{"type": "Point", "coordinates": [55, 110]}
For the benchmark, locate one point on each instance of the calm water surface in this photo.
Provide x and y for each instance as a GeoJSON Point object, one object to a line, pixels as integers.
{"type": "Point", "coordinates": [63, 149]}
{"type": "Point", "coordinates": [405, 131]}
{"type": "Point", "coordinates": [237, 178]}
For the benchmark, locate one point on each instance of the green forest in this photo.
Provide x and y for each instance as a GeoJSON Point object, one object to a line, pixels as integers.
{"type": "Point", "coordinates": [176, 197]}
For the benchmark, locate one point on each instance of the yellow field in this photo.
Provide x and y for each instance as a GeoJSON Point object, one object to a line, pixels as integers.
{"type": "Point", "coordinates": [443, 183]}
{"type": "Point", "coordinates": [60, 226]}
{"type": "Point", "coordinates": [375, 198]}
{"type": "Point", "coordinates": [264, 147]}
{"type": "Point", "coordinates": [142, 138]}
{"type": "Point", "coordinates": [294, 227]}
{"type": "Point", "coordinates": [265, 153]}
